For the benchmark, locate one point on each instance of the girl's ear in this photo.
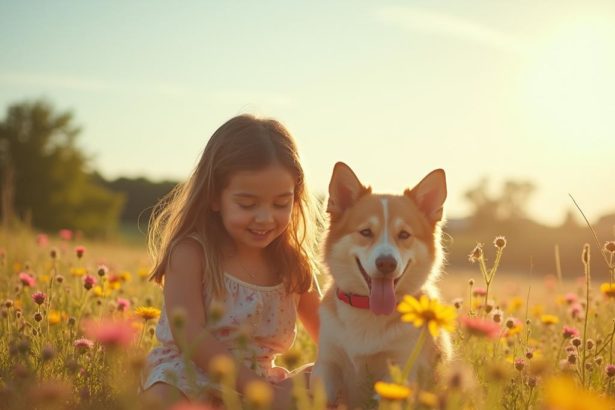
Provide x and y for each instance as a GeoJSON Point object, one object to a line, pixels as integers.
{"type": "Point", "coordinates": [344, 189]}
{"type": "Point", "coordinates": [429, 194]}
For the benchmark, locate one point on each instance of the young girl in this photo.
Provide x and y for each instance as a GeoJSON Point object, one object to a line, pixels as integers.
{"type": "Point", "coordinates": [238, 235]}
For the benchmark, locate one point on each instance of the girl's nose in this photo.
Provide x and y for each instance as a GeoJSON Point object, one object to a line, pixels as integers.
{"type": "Point", "coordinates": [264, 215]}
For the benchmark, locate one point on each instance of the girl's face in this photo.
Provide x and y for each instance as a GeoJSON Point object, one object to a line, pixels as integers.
{"type": "Point", "coordinates": [256, 206]}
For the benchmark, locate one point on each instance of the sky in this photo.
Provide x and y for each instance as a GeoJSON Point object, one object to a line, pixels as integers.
{"type": "Point", "coordinates": [495, 89]}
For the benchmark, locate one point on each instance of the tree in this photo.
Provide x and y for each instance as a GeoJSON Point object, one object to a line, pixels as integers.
{"type": "Point", "coordinates": [511, 204]}
{"type": "Point", "coordinates": [44, 177]}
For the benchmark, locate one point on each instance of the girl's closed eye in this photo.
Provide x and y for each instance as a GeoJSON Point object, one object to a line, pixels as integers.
{"type": "Point", "coordinates": [246, 205]}
{"type": "Point", "coordinates": [282, 205]}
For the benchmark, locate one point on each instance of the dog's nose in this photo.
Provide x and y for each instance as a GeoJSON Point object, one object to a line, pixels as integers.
{"type": "Point", "coordinates": [386, 264]}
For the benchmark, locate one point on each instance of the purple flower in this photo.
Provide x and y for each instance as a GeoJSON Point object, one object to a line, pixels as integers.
{"type": "Point", "coordinates": [39, 297]}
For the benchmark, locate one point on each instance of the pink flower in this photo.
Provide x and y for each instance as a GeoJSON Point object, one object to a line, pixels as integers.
{"type": "Point", "coordinates": [42, 240]}
{"type": "Point", "coordinates": [110, 333]}
{"type": "Point", "coordinates": [89, 281]}
{"type": "Point", "coordinates": [123, 304]}
{"type": "Point", "coordinates": [577, 311]}
{"type": "Point", "coordinates": [569, 332]}
{"type": "Point", "coordinates": [39, 297]}
{"type": "Point", "coordinates": [65, 234]}
{"type": "Point", "coordinates": [481, 327]}
{"type": "Point", "coordinates": [83, 344]}
{"type": "Point", "coordinates": [27, 279]}
{"type": "Point", "coordinates": [79, 250]}
{"type": "Point", "coordinates": [479, 292]}
{"type": "Point", "coordinates": [571, 298]}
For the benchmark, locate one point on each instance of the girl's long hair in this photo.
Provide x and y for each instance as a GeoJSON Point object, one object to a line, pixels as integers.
{"type": "Point", "coordinates": [242, 143]}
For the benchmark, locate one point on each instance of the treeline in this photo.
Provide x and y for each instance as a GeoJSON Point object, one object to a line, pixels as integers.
{"type": "Point", "coordinates": [47, 182]}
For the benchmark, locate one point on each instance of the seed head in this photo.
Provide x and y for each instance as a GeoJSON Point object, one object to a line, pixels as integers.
{"type": "Point", "coordinates": [519, 364]}
{"type": "Point", "coordinates": [60, 279]}
{"type": "Point", "coordinates": [53, 253]}
{"type": "Point", "coordinates": [576, 342]}
{"type": "Point", "coordinates": [531, 382]}
{"type": "Point", "coordinates": [610, 370]}
{"type": "Point", "coordinates": [499, 242]}
{"type": "Point", "coordinates": [102, 270]}
{"type": "Point", "coordinates": [585, 256]}
{"type": "Point", "coordinates": [589, 344]}
{"type": "Point", "coordinates": [572, 358]}
{"type": "Point", "coordinates": [609, 247]}
{"type": "Point", "coordinates": [38, 317]}
{"type": "Point", "coordinates": [476, 253]}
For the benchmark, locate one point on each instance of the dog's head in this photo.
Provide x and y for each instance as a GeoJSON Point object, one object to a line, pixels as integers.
{"type": "Point", "coordinates": [383, 245]}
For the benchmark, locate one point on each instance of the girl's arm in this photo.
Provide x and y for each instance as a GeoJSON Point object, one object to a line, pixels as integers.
{"type": "Point", "coordinates": [308, 311]}
{"type": "Point", "coordinates": [183, 291]}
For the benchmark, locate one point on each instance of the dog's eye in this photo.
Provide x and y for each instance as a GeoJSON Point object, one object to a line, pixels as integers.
{"type": "Point", "coordinates": [366, 232]}
{"type": "Point", "coordinates": [404, 235]}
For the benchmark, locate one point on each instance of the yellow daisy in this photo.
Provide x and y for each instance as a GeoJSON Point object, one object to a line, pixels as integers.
{"type": "Point", "coordinates": [392, 391]}
{"type": "Point", "coordinates": [549, 320]}
{"type": "Point", "coordinates": [608, 289]}
{"type": "Point", "coordinates": [428, 312]}
{"type": "Point", "coordinates": [147, 313]}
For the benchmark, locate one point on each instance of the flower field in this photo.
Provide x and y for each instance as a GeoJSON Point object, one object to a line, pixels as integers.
{"type": "Point", "coordinates": [78, 318]}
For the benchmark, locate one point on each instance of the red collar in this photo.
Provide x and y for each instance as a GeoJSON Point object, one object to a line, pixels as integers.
{"type": "Point", "coordinates": [354, 300]}
{"type": "Point", "coordinates": [359, 301]}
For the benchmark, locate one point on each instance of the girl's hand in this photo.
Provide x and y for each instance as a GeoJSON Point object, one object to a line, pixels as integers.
{"type": "Point", "coordinates": [282, 394]}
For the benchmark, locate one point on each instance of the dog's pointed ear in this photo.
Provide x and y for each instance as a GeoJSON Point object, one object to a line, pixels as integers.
{"type": "Point", "coordinates": [429, 195]}
{"type": "Point", "coordinates": [344, 189]}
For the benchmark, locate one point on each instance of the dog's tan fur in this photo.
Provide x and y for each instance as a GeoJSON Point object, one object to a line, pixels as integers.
{"type": "Point", "coordinates": [355, 344]}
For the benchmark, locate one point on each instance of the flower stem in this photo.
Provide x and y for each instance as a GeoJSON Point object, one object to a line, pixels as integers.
{"type": "Point", "coordinates": [415, 353]}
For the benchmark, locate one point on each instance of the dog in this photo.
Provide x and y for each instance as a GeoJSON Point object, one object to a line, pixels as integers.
{"type": "Point", "coordinates": [378, 248]}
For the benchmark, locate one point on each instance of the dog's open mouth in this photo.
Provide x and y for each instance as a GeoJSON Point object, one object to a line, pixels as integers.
{"type": "Point", "coordinates": [368, 279]}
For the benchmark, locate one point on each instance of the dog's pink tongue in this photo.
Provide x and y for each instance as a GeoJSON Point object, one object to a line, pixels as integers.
{"type": "Point", "coordinates": [382, 296]}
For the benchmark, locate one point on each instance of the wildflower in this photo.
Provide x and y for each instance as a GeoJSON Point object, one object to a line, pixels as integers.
{"type": "Point", "coordinates": [392, 391]}
{"type": "Point", "coordinates": [100, 292]}
{"type": "Point", "coordinates": [221, 366]}
{"type": "Point", "coordinates": [83, 344]}
{"type": "Point", "coordinates": [8, 303]}
{"type": "Point", "coordinates": [110, 333]}
{"type": "Point", "coordinates": [519, 364]}
{"type": "Point", "coordinates": [27, 279]}
{"type": "Point", "coordinates": [54, 317]}
{"type": "Point", "coordinates": [123, 304]}
{"type": "Point", "coordinates": [610, 370]}
{"type": "Point", "coordinates": [458, 303]}
{"type": "Point", "coordinates": [53, 253]}
{"type": "Point", "coordinates": [569, 332]}
{"type": "Point", "coordinates": [39, 297]}
{"type": "Point", "coordinates": [47, 353]}
{"type": "Point", "coordinates": [258, 394]}
{"type": "Point", "coordinates": [571, 298]}
{"type": "Point", "coordinates": [79, 251]}
{"type": "Point", "coordinates": [102, 270]}
{"type": "Point", "coordinates": [42, 240]}
{"type": "Point", "coordinates": [563, 393]}
{"type": "Point", "coordinates": [143, 272]}
{"type": "Point", "coordinates": [38, 316]}
{"type": "Point", "coordinates": [609, 247]}
{"type": "Point", "coordinates": [147, 313]}
{"type": "Point", "coordinates": [499, 242]}
{"type": "Point", "coordinates": [531, 382]}
{"type": "Point", "coordinates": [576, 341]}
{"type": "Point", "coordinates": [497, 315]}
{"type": "Point", "coordinates": [78, 272]}
{"type": "Point", "coordinates": [481, 327]}
{"type": "Point", "coordinates": [88, 282]}
{"type": "Point", "coordinates": [428, 400]}
{"type": "Point", "coordinates": [514, 304]}
{"type": "Point", "coordinates": [589, 344]}
{"type": "Point", "coordinates": [608, 289]}
{"type": "Point", "coordinates": [476, 253]}
{"type": "Point", "coordinates": [427, 311]}
{"type": "Point", "coordinates": [65, 234]}
{"type": "Point", "coordinates": [548, 320]}
{"type": "Point", "coordinates": [60, 279]}
{"type": "Point", "coordinates": [576, 311]}
{"type": "Point", "coordinates": [479, 292]}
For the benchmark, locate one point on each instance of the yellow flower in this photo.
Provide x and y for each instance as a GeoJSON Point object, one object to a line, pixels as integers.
{"type": "Point", "coordinates": [392, 391]}
{"type": "Point", "coordinates": [78, 271]}
{"type": "Point", "coordinates": [100, 292]}
{"type": "Point", "coordinates": [221, 366]}
{"type": "Point", "coordinates": [608, 289]}
{"type": "Point", "coordinates": [549, 320]}
{"type": "Point", "coordinates": [259, 394]}
{"type": "Point", "coordinates": [428, 399]}
{"type": "Point", "coordinates": [125, 276]}
{"type": "Point", "coordinates": [563, 393]}
{"type": "Point", "coordinates": [427, 311]}
{"type": "Point", "coordinates": [537, 310]}
{"type": "Point", "coordinates": [44, 278]}
{"type": "Point", "coordinates": [147, 313]}
{"type": "Point", "coordinates": [54, 317]}
{"type": "Point", "coordinates": [515, 304]}
{"type": "Point", "coordinates": [143, 272]}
